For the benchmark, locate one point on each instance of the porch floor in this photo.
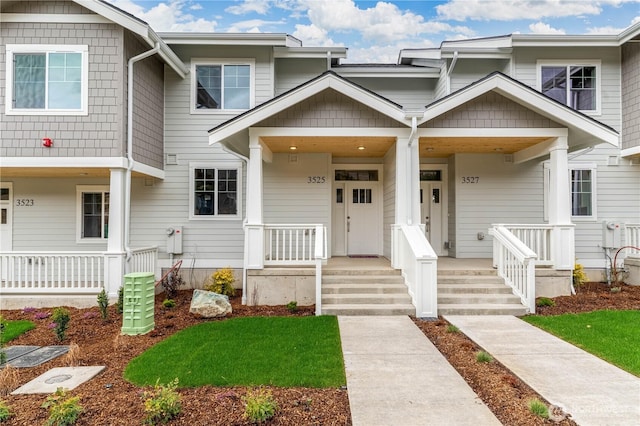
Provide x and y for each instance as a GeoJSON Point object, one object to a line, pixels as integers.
{"type": "Point", "coordinates": [444, 263]}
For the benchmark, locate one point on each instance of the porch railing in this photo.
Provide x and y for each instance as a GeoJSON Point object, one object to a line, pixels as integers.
{"type": "Point", "coordinates": [32, 272]}
{"type": "Point", "coordinates": [143, 260]}
{"type": "Point", "coordinates": [320, 255]}
{"type": "Point", "coordinates": [632, 238]}
{"type": "Point", "coordinates": [516, 264]}
{"type": "Point", "coordinates": [537, 238]}
{"type": "Point", "coordinates": [418, 263]}
{"type": "Point", "coordinates": [287, 244]}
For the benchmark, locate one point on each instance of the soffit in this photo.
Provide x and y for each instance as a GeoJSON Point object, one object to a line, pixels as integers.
{"type": "Point", "coordinates": [374, 147]}
{"type": "Point", "coordinates": [57, 172]}
{"type": "Point", "coordinates": [442, 147]}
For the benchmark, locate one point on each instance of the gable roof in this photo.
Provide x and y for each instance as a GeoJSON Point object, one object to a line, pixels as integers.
{"type": "Point", "coordinates": [580, 125]}
{"type": "Point", "coordinates": [326, 80]}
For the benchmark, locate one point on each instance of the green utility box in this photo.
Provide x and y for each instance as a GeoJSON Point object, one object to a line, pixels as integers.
{"type": "Point", "coordinates": [138, 300]}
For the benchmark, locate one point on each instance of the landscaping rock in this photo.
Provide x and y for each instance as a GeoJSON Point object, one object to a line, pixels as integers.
{"type": "Point", "coordinates": [209, 304]}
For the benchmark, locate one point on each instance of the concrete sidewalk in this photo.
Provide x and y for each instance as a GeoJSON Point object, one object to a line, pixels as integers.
{"type": "Point", "coordinates": [395, 376]}
{"type": "Point", "coordinates": [593, 391]}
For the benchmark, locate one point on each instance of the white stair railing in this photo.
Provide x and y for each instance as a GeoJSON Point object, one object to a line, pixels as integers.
{"type": "Point", "coordinates": [536, 237]}
{"type": "Point", "coordinates": [320, 255]}
{"type": "Point", "coordinates": [516, 265]}
{"type": "Point", "coordinates": [143, 260]}
{"type": "Point", "coordinates": [292, 244]}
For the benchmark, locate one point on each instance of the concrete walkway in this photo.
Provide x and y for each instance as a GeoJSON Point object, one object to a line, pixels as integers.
{"type": "Point", "coordinates": [395, 376]}
{"type": "Point", "coordinates": [593, 391]}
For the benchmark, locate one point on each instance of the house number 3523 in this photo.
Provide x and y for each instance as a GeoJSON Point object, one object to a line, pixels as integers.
{"type": "Point", "coordinates": [24, 202]}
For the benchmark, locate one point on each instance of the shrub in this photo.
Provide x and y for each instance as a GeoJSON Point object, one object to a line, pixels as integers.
{"type": "Point", "coordinates": [579, 276]}
{"type": "Point", "coordinates": [483, 357]}
{"type": "Point", "coordinates": [452, 329]}
{"type": "Point", "coordinates": [61, 320]}
{"type": "Point", "coordinates": [538, 408]}
{"type": "Point", "coordinates": [120, 302]}
{"type": "Point", "coordinates": [5, 411]}
{"type": "Point", "coordinates": [221, 282]}
{"type": "Point", "coordinates": [162, 403]}
{"type": "Point", "coordinates": [3, 356]}
{"type": "Point", "coordinates": [103, 304]}
{"type": "Point", "coordinates": [63, 411]}
{"type": "Point", "coordinates": [545, 301]}
{"type": "Point", "coordinates": [171, 282]}
{"type": "Point", "coordinates": [169, 303]}
{"type": "Point", "coordinates": [259, 405]}
{"type": "Point", "coordinates": [292, 306]}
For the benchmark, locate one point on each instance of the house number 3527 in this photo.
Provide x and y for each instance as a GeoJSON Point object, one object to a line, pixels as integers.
{"type": "Point", "coordinates": [470, 179]}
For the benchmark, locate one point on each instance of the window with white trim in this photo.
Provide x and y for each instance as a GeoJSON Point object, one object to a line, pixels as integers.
{"type": "Point", "coordinates": [93, 212]}
{"type": "Point", "coordinates": [575, 84]}
{"type": "Point", "coordinates": [215, 190]}
{"type": "Point", "coordinates": [583, 192]}
{"type": "Point", "coordinates": [46, 80]}
{"type": "Point", "coordinates": [222, 85]}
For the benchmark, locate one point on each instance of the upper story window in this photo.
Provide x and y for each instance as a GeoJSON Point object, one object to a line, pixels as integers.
{"type": "Point", "coordinates": [46, 80]}
{"type": "Point", "coordinates": [575, 84]}
{"type": "Point", "coordinates": [222, 85]}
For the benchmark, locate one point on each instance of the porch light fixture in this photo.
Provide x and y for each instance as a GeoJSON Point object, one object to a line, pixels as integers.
{"type": "Point", "coordinates": [429, 149]}
{"type": "Point", "coordinates": [361, 148]}
{"type": "Point", "coordinates": [498, 150]}
{"type": "Point", "coordinates": [293, 147]}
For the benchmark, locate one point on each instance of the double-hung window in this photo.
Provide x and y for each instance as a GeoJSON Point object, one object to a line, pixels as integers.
{"type": "Point", "coordinates": [215, 190]}
{"type": "Point", "coordinates": [582, 181]}
{"type": "Point", "coordinates": [575, 84]}
{"type": "Point", "coordinates": [46, 80]}
{"type": "Point", "coordinates": [222, 85]}
{"type": "Point", "coordinates": [93, 213]}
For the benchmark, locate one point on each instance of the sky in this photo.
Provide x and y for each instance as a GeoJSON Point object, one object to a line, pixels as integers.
{"type": "Point", "coordinates": [375, 31]}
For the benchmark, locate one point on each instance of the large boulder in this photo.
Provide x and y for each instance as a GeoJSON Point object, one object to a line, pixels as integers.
{"type": "Point", "coordinates": [209, 304]}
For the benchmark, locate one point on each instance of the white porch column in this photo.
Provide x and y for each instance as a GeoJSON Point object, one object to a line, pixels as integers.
{"type": "Point", "coordinates": [563, 241]}
{"type": "Point", "coordinates": [114, 267]}
{"type": "Point", "coordinates": [402, 197]}
{"type": "Point", "coordinates": [254, 228]}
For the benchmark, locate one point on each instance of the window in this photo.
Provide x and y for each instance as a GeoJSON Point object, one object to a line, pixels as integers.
{"type": "Point", "coordinates": [93, 212]}
{"type": "Point", "coordinates": [576, 85]}
{"type": "Point", "coordinates": [222, 85]}
{"type": "Point", "coordinates": [45, 79]}
{"type": "Point", "coordinates": [215, 191]}
{"type": "Point", "coordinates": [582, 193]}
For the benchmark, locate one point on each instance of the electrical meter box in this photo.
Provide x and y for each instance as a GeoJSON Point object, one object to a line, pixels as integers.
{"type": "Point", "coordinates": [611, 234]}
{"type": "Point", "coordinates": [174, 240]}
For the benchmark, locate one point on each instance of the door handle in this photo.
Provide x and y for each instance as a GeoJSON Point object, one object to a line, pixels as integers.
{"type": "Point", "coordinates": [348, 223]}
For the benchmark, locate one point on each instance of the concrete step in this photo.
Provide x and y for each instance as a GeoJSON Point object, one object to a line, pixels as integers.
{"type": "Point", "coordinates": [362, 279]}
{"type": "Point", "coordinates": [388, 271]}
{"type": "Point", "coordinates": [478, 298]}
{"type": "Point", "coordinates": [466, 272]}
{"type": "Point", "coordinates": [469, 279]}
{"type": "Point", "coordinates": [481, 309]}
{"type": "Point", "coordinates": [363, 288]}
{"type": "Point", "coordinates": [473, 288]}
{"type": "Point", "coordinates": [366, 299]}
{"type": "Point", "coordinates": [368, 309]}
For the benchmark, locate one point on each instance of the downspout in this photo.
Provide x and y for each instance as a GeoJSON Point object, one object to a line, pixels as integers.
{"type": "Point", "coordinates": [412, 137]}
{"type": "Point", "coordinates": [246, 255]}
{"type": "Point", "coordinates": [450, 70]}
{"type": "Point", "coordinates": [130, 162]}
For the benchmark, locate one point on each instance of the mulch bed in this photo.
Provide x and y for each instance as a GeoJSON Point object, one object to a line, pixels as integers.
{"type": "Point", "coordinates": [110, 400]}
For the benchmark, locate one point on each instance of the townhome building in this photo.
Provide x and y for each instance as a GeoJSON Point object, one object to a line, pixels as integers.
{"type": "Point", "coordinates": [126, 150]}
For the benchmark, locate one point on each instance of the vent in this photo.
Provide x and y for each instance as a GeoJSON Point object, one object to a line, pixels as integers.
{"type": "Point", "coordinates": [293, 158]}
{"type": "Point", "coordinates": [508, 158]}
{"type": "Point", "coordinates": [171, 159]}
{"type": "Point", "coordinates": [614, 160]}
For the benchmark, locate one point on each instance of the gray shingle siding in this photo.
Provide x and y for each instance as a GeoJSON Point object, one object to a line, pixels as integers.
{"type": "Point", "coordinates": [46, 7]}
{"type": "Point", "coordinates": [630, 95]}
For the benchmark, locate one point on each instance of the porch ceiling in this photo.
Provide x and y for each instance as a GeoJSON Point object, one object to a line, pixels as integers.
{"type": "Point", "coordinates": [57, 172]}
{"type": "Point", "coordinates": [347, 146]}
{"type": "Point", "coordinates": [442, 147]}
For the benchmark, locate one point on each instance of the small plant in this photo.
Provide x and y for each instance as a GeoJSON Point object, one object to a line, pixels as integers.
{"type": "Point", "coordinates": [120, 302]}
{"type": "Point", "coordinates": [5, 411]}
{"type": "Point", "coordinates": [615, 290]}
{"type": "Point", "coordinates": [545, 301]}
{"type": "Point", "coordinates": [61, 320]}
{"type": "Point", "coordinates": [171, 282]}
{"type": "Point", "coordinates": [40, 315]}
{"type": "Point", "coordinates": [259, 405]}
{"type": "Point", "coordinates": [63, 411]}
{"type": "Point", "coordinates": [579, 276]}
{"type": "Point", "coordinates": [9, 379]}
{"type": "Point", "coordinates": [169, 303]}
{"type": "Point", "coordinates": [538, 408]}
{"type": "Point", "coordinates": [103, 304]}
{"type": "Point", "coordinates": [292, 306]}
{"type": "Point", "coordinates": [221, 282]}
{"type": "Point", "coordinates": [483, 357]}
{"type": "Point", "coordinates": [452, 329]}
{"type": "Point", "coordinates": [73, 355]}
{"type": "Point", "coordinates": [3, 355]}
{"type": "Point", "coordinates": [28, 310]}
{"type": "Point", "coordinates": [162, 403]}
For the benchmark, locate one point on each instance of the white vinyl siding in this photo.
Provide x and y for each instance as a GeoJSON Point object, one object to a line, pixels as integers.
{"type": "Point", "coordinates": [46, 79]}
{"type": "Point", "coordinates": [291, 73]}
{"type": "Point", "coordinates": [468, 71]}
{"type": "Point", "coordinates": [389, 200]}
{"type": "Point", "coordinates": [412, 94]}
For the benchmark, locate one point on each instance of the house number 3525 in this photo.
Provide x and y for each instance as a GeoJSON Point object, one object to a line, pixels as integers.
{"type": "Point", "coordinates": [316, 179]}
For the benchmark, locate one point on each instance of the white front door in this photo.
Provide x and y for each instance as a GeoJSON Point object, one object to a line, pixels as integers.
{"type": "Point", "coordinates": [364, 222]}
{"type": "Point", "coordinates": [433, 208]}
{"type": "Point", "coordinates": [6, 217]}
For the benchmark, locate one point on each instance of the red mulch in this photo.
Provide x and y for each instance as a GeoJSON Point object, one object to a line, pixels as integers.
{"type": "Point", "coordinates": [110, 400]}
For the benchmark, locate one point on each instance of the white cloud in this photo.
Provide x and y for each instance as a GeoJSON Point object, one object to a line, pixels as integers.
{"type": "Point", "coordinates": [260, 7]}
{"type": "Point", "coordinates": [382, 54]}
{"type": "Point", "coordinates": [542, 28]}
{"type": "Point", "coordinates": [604, 30]}
{"type": "Point", "coordinates": [311, 35]}
{"type": "Point", "coordinates": [196, 6]}
{"type": "Point", "coordinates": [635, 20]}
{"type": "Point", "coordinates": [168, 15]}
{"type": "Point", "coordinates": [252, 26]}
{"type": "Point", "coordinates": [499, 10]}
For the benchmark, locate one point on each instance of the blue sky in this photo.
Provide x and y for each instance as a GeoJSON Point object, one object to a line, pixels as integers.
{"type": "Point", "coordinates": [375, 31]}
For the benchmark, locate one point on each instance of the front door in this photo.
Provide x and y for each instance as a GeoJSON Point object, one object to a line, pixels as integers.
{"type": "Point", "coordinates": [363, 227]}
{"type": "Point", "coordinates": [6, 217]}
{"type": "Point", "coordinates": [433, 209]}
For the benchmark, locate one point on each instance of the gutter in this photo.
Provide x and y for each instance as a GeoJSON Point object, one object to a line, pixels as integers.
{"type": "Point", "coordinates": [130, 161]}
{"type": "Point", "coordinates": [411, 168]}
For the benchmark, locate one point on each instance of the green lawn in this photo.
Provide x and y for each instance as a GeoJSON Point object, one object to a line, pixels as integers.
{"type": "Point", "coordinates": [15, 328]}
{"type": "Point", "coordinates": [252, 351]}
{"type": "Point", "coordinates": [611, 335]}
